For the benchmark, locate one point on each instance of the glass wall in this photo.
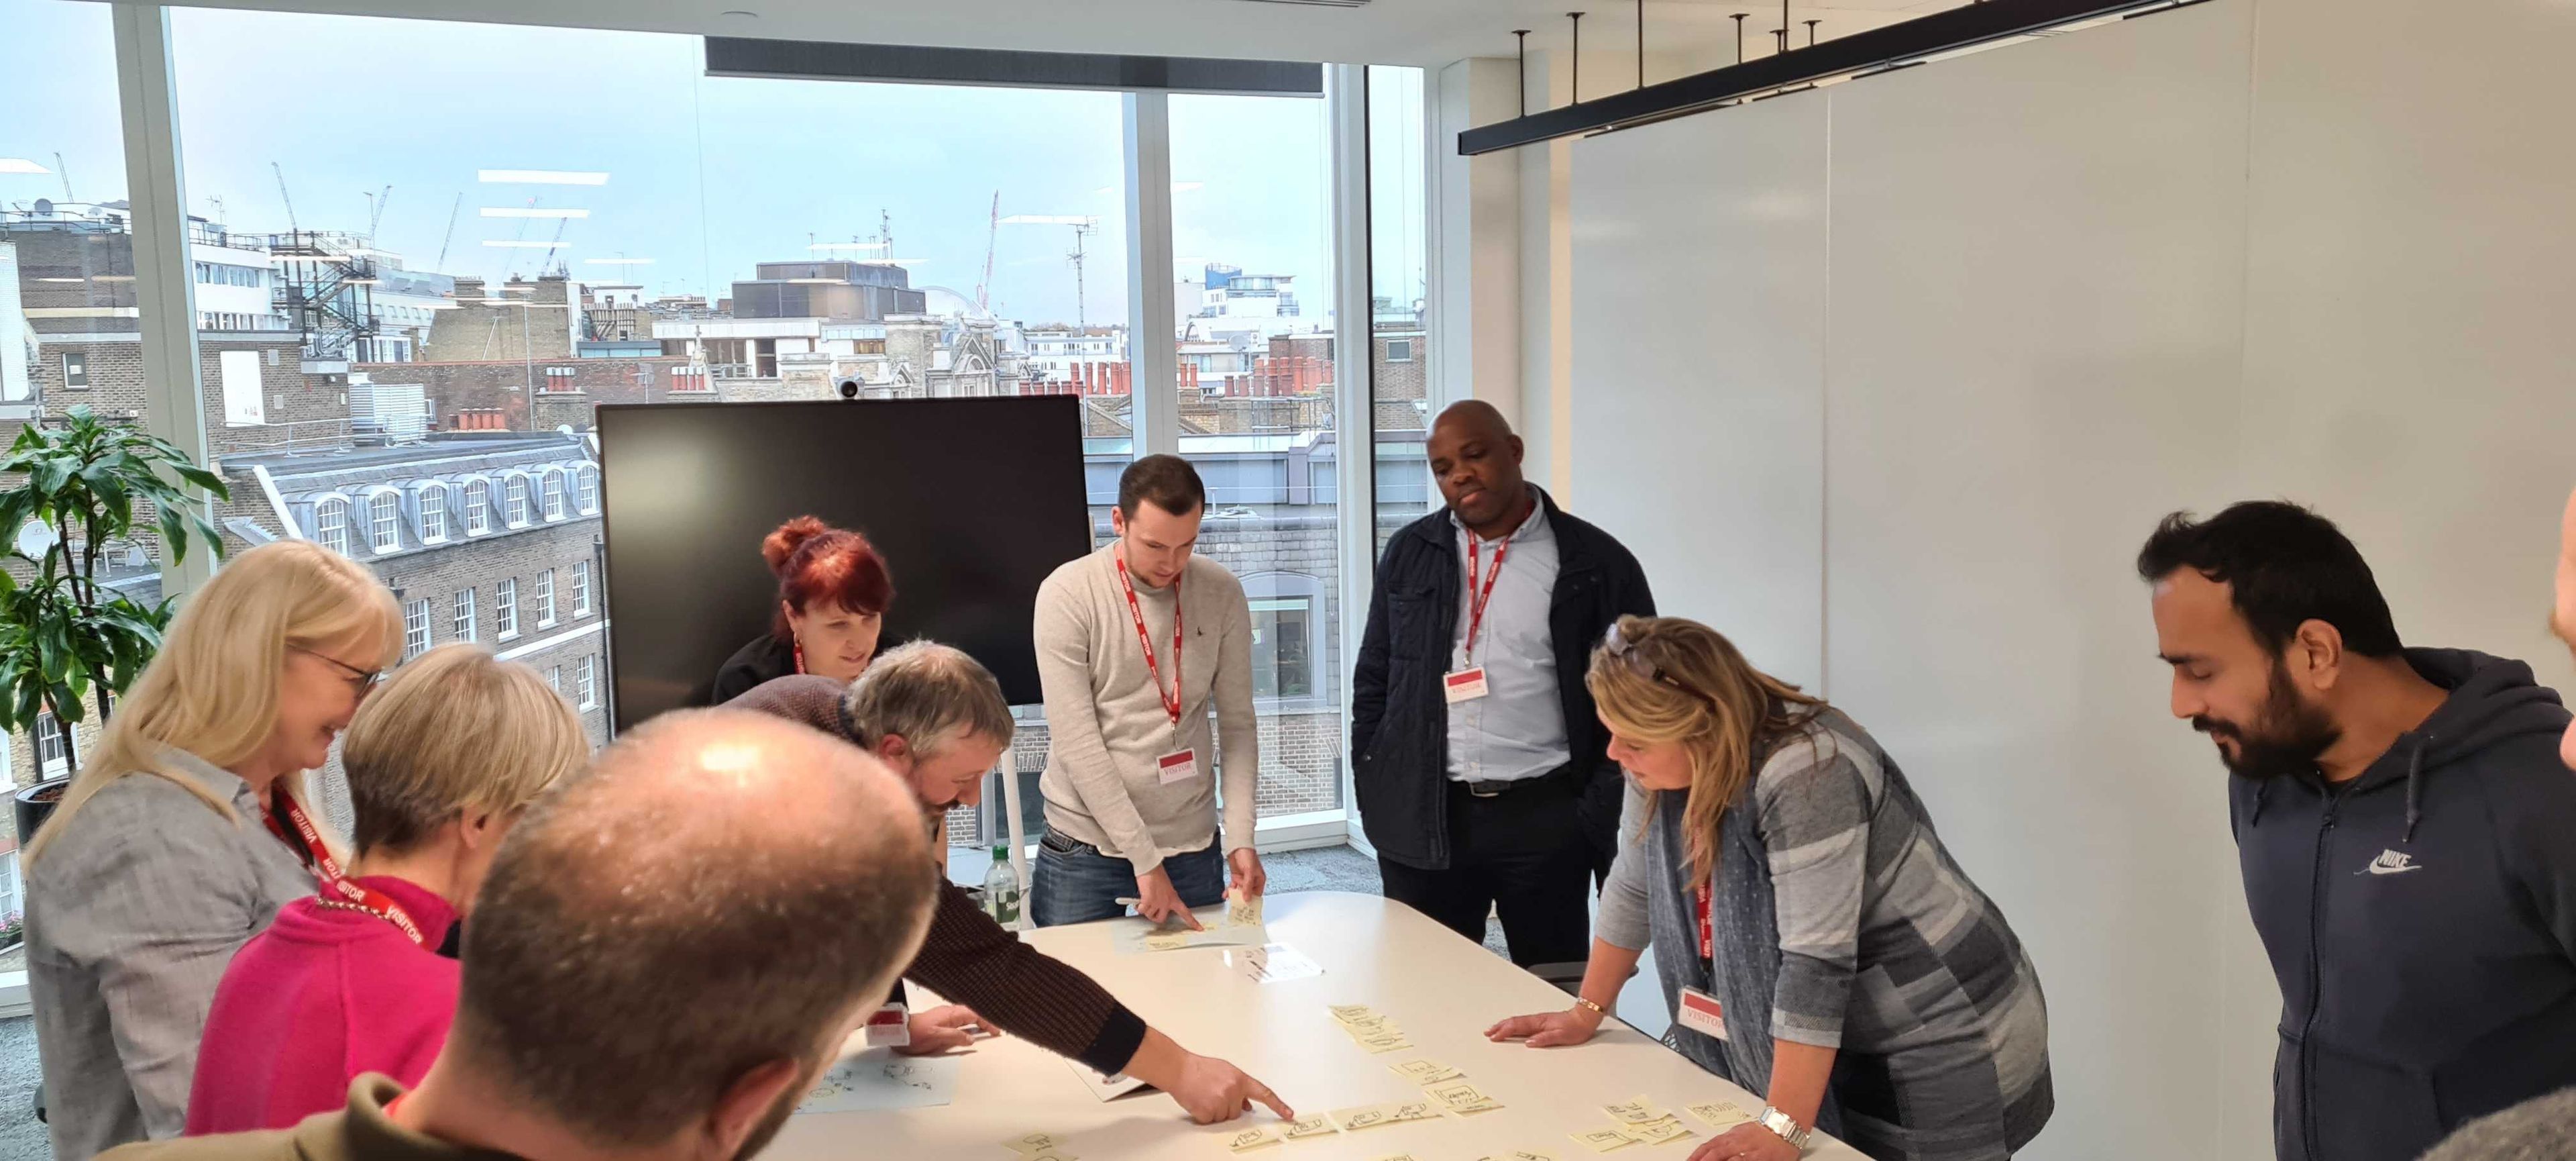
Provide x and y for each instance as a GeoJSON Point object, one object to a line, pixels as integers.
{"type": "Point", "coordinates": [1255, 335]}
{"type": "Point", "coordinates": [70, 322]}
{"type": "Point", "coordinates": [1401, 333]}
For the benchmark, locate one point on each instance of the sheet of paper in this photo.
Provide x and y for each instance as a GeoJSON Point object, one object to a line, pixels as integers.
{"type": "Point", "coordinates": [1271, 963]}
{"type": "Point", "coordinates": [1137, 936]}
{"type": "Point", "coordinates": [1257, 1137]}
{"type": "Point", "coordinates": [1602, 1140]}
{"type": "Point", "coordinates": [1104, 1088]}
{"type": "Point", "coordinates": [1242, 910]}
{"type": "Point", "coordinates": [1425, 1072]}
{"type": "Point", "coordinates": [1423, 1109]}
{"type": "Point", "coordinates": [878, 1079]}
{"type": "Point", "coordinates": [1636, 1110]}
{"type": "Point", "coordinates": [1656, 1132]}
{"type": "Point", "coordinates": [1319, 1125]}
{"type": "Point", "coordinates": [1720, 1114]}
{"type": "Point", "coordinates": [1352, 1120]}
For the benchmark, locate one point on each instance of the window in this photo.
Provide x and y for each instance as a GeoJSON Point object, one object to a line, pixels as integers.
{"type": "Point", "coordinates": [505, 608]}
{"type": "Point", "coordinates": [554, 677]}
{"type": "Point", "coordinates": [478, 507]}
{"type": "Point", "coordinates": [433, 514]}
{"type": "Point", "coordinates": [546, 599]}
{"type": "Point", "coordinates": [1403, 393]}
{"type": "Point", "coordinates": [331, 525]}
{"type": "Point", "coordinates": [514, 494]}
{"type": "Point", "coordinates": [581, 588]}
{"type": "Point", "coordinates": [1399, 350]}
{"type": "Point", "coordinates": [384, 522]}
{"type": "Point", "coordinates": [415, 628]}
{"type": "Point", "coordinates": [1282, 662]}
{"type": "Point", "coordinates": [588, 677]}
{"type": "Point", "coordinates": [76, 370]}
{"type": "Point", "coordinates": [49, 745]}
{"type": "Point", "coordinates": [552, 484]}
{"type": "Point", "coordinates": [587, 478]}
{"type": "Point", "coordinates": [465, 615]}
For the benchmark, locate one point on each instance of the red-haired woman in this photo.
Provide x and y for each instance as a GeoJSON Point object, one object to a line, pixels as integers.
{"type": "Point", "coordinates": [833, 590]}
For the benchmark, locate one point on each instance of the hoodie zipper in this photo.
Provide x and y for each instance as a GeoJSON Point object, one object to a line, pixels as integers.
{"type": "Point", "coordinates": [2307, 1031]}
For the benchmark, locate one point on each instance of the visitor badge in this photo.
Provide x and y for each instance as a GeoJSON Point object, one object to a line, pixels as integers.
{"type": "Point", "coordinates": [1701, 1013]}
{"type": "Point", "coordinates": [890, 1027]}
{"type": "Point", "coordinates": [1178, 766]}
{"type": "Point", "coordinates": [1465, 685]}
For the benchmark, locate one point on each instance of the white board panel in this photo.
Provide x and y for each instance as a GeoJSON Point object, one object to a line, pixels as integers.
{"type": "Point", "coordinates": [1699, 287]}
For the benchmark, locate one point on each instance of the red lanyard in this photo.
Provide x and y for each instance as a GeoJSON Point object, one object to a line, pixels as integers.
{"type": "Point", "coordinates": [353, 896]}
{"type": "Point", "coordinates": [1707, 938]}
{"type": "Point", "coordinates": [1136, 612]}
{"type": "Point", "coordinates": [1478, 598]}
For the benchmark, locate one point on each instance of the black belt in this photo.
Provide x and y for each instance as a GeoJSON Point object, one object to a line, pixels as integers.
{"type": "Point", "coordinates": [1496, 788]}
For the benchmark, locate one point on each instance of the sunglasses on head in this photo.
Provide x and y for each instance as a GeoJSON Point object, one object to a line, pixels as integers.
{"type": "Point", "coordinates": [1619, 645]}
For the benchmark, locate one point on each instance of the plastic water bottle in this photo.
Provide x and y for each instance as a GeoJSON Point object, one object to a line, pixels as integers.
{"type": "Point", "coordinates": [1002, 890]}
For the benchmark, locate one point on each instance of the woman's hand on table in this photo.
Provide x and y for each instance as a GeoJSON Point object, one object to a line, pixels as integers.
{"type": "Point", "coordinates": [1548, 1029]}
{"type": "Point", "coordinates": [1747, 1142]}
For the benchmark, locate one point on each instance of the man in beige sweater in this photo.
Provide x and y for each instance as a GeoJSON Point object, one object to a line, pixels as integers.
{"type": "Point", "coordinates": [1134, 641]}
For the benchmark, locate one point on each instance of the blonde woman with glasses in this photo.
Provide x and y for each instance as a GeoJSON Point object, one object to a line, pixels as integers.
{"type": "Point", "coordinates": [188, 828]}
{"type": "Point", "coordinates": [441, 762]}
{"type": "Point", "coordinates": [1816, 942]}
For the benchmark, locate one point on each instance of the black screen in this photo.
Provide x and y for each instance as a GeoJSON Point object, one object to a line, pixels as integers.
{"type": "Point", "coordinates": [972, 502]}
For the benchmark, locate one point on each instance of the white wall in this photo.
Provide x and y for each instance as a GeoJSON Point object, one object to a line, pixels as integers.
{"type": "Point", "coordinates": [1907, 444]}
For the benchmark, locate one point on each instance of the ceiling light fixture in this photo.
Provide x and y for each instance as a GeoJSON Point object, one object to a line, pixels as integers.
{"type": "Point", "coordinates": [531, 212]}
{"type": "Point", "coordinates": [541, 176]}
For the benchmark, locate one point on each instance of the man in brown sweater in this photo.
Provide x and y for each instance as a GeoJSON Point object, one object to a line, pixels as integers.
{"type": "Point", "coordinates": [742, 894]}
{"type": "Point", "coordinates": [939, 719]}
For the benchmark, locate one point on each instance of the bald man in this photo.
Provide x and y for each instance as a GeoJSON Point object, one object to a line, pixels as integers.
{"type": "Point", "coordinates": [666, 956]}
{"type": "Point", "coordinates": [1483, 772]}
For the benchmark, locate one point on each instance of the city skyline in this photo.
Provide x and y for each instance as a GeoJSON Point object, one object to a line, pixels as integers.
{"type": "Point", "coordinates": [705, 176]}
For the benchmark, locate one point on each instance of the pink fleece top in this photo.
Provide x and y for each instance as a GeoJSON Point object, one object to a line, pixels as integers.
{"type": "Point", "coordinates": [323, 995]}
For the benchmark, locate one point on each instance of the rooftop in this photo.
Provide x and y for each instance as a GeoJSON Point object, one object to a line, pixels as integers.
{"type": "Point", "coordinates": [437, 448]}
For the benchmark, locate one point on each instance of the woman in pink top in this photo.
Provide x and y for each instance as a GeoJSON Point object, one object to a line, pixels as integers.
{"type": "Point", "coordinates": [441, 761]}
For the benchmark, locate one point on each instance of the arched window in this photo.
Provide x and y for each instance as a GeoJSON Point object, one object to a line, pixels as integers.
{"type": "Point", "coordinates": [551, 484]}
{"type": "Point", "coordinates": [586, 478]}
{"type": "Point", "coordinates": [432, 499]}
{"type": "Point", "coordinates": [478, 507]}
{"type": "Point", "coordinates": [331, 524]}
{"type": "Point", "coordinates": [516, 510]}
{"type": "Point", "coordinates": [384, 522]}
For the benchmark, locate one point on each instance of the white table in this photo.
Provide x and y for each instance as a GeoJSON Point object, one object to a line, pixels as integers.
{"type": "Point", "coordinates": [1440, 989]}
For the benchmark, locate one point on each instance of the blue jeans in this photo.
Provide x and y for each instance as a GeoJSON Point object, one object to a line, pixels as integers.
{"type": "Point", "coordinates": [1074, 883]}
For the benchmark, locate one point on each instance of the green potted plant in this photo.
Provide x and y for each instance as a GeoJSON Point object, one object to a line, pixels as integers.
{"type": "Point", "coordinates": [63, 634]}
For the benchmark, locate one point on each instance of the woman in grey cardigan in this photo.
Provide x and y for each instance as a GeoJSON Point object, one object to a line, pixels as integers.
{"type": "Point", "coordinates": [1817, 943]}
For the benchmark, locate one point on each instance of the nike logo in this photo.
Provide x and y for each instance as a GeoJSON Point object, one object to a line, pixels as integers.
{"type": "Point", "coordinates": [2393, 863]}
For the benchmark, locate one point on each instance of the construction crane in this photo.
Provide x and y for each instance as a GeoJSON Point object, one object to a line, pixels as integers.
{"type": "Point", "coordinates": [451, 230]}
{"type": "Point", "coordinates": [376, 212]}
{"type": "Point", "coordinates": [1083, 227]}
{"type": "Point", "coordinates": [283, 196]}
{"type": "Point", "coordinates": [64, 172]}
{"type": "Point", "coordinates": [992, 237]}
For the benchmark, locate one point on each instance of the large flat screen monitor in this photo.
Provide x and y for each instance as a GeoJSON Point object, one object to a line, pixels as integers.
{"type": "Point", "coordinates": [972, 502]}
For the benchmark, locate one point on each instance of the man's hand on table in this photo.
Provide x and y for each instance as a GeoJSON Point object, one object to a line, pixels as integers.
{"type": "Point", "coordinates": [1548, 1029]}
{"type": "Point", "coordinates": [941, 1029]}
{"type": "Point", "coordinates": [1210, 1090]}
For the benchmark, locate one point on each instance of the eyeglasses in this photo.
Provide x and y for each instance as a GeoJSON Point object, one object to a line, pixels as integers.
{"type": "Point", "coordinates": [1617, 645]}
{"type": "Point", "coordinates": [364, 681]}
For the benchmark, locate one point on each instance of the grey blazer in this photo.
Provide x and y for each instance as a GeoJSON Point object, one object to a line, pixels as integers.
{"type": "Point", "coordinates": [132, 915]}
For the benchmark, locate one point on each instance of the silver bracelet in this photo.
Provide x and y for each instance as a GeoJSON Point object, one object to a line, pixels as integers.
{"type": "Point", "coordinates": [1786, 1128]}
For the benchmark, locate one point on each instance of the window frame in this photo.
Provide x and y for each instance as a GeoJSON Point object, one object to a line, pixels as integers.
{"type": "Point", "coordinates": [431, 501]}
{"type": "Point", "coordinates": [505, 609]}
{"type": "Point", "coordinates": [384, 515]}
{"type": "Point", "coordinates": [59, 763]}
{"type": "Point", "coordinates": [552, 503]}
{"type": "Point", "coordinates": [545, 598]}
{"type": "Point", "coordinates": [580, 589]}
{"type": "Point", "coordinates": [586, 499]}
{"type": "Point", "coordinates": [518, 504]}
{"type": "Point", "coordinates": [416, 638]}
{"type": "Point", "coordinates": [72, 372]}
{"type": "Point", "coordinates": [462, 616]}
{"type": "Point", "coordinates": [327, 505]}
{"type": "Point", "coordinates": [586, 677]}
{"type": "Point", "coordinates": [478, 510]}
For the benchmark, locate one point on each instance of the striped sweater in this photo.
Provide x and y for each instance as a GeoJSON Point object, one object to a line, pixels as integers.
{"type": "Point", "coordinates": [1880, 948]}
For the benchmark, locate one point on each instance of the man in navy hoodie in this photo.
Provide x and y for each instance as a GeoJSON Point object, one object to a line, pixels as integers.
{"type": "Point", "coordinates": [2406, 831]}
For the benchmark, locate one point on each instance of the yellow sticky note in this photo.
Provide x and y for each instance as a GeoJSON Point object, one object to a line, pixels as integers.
{"type": "Point", "coordinates": [1036, 1142]}
{"type": "Point", "coordinates": [1720, 1114]}
{"type": "Point", "coordinates": [1353, 1120]}
{"type": "Point", "coordinates": [1425, 1071]}
{"type": "Point", "coordinates": [1315, 1126]}
{"type": "Point", "coordinates": [1656, 1132]}
{"type": "Point", "coordinates": [1636, 1110]}
{"type": "Point", "coordinates": [1417, 1110]}
{"type": "Point", "coordinates": [1603, 1140]}
{"type": "Point", "coordinates": [1247, 1140]}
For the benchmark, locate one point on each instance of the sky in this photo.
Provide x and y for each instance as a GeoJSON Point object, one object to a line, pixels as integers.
{"type": "Point", "coordinates": [707, 176]}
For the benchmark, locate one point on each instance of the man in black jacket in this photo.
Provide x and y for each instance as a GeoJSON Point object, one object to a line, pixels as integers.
{"type": "Point", "coordinates": [1483, 773]}
{"type": "Point", "coordinates": [2401, 821]}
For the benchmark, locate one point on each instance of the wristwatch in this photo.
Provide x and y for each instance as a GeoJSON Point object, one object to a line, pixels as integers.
{"type": "Point", "coordinates": [1787, 1128]}
{"type": "Point", "coordinates": [1589, 1006]}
